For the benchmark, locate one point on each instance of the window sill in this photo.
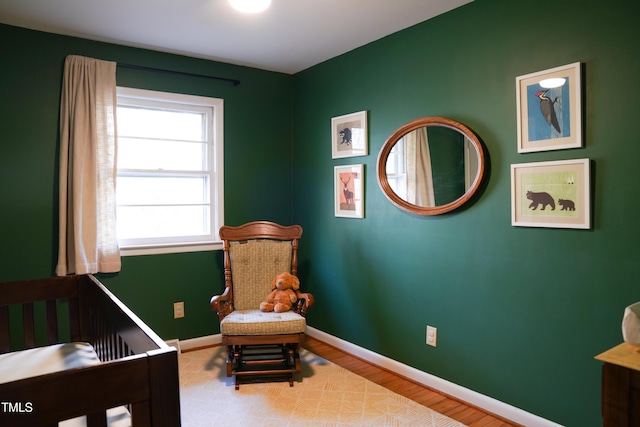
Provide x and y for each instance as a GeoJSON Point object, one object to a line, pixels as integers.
{"type": "Point", "coordinates": [170, 248]}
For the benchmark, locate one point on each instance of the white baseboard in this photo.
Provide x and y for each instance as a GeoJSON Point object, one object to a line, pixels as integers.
{"type": "Point", "coordinates": [464, 394]}
{"type": "Point", "coordinates": [200, 342]}
{"type": "Point", "coordinates": [481, 401]}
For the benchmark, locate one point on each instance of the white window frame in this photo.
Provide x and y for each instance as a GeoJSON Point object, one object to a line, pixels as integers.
{"type": "Point", "coordinates": [398, 177]}
{"type": "Point", "coordinates": [215, 171]}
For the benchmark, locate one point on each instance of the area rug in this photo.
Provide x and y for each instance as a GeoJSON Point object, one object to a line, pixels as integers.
{"type": "Point", "coordinates": [324, 395]}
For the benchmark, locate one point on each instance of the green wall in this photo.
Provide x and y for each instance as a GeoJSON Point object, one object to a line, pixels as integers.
{"type": "Point", "coordinates": [520, 312]}
{"type": "Point", "coordinates": [257, 168]}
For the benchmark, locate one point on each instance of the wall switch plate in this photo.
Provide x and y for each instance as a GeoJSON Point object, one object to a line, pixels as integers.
{"type": "Point", "coordinates": [178, 310]}
{"type": "Point", "coordinates": [432, 336]}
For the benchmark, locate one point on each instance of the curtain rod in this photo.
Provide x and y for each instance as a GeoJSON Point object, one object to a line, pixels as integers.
{"type": "Point", "coordinates": [182, 73]}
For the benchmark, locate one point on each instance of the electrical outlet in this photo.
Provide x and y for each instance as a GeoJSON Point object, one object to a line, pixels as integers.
{"type": "Point", "coordinates": [432, 336]}
{"type": "Point", "coordinates": [178, 310]}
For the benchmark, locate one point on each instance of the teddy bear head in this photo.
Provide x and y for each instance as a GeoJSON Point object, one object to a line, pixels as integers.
{"type": "Point", "coordinates": [285, 281]}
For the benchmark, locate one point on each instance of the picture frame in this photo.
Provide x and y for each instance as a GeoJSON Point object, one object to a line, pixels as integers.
{"type": "Point", "coordinates": [554, 194]}
{"type": "Point", "coordinates": [349, 191]}
{"type": "Point", "coordinates": [549, 109]}
{"type": "Point", "coordinates": [349, 135]}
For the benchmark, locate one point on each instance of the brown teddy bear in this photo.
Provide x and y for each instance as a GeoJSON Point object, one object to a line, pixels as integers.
{"type": "Point", "coordinates": [283, 295]}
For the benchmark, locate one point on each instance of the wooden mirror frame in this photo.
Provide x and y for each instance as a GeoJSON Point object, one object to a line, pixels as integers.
{"type": "Point", "coordinates": [409, 127]}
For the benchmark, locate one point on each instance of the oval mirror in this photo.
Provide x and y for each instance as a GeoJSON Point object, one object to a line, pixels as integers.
{"type": "Point", "coordinates": [431, 166]}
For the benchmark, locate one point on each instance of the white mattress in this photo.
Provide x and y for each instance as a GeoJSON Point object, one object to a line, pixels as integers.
{"type": "Point", "coordinates": [45, 360]}
{"type": "Point", "coordinates": [59, 357]}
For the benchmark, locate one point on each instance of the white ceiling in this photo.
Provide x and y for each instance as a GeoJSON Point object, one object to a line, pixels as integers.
{"type": "Point", "coordinates": [290, 36]}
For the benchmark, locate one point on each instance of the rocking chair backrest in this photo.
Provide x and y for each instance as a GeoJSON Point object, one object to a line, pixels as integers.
{"type": "Point", "coordinates": [254, 264]}
{"type": "Point", "coordinates": [254, 254]}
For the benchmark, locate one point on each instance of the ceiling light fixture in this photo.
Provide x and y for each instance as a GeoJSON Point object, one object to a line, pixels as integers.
{"type": "Point", "coordinates": [551, 83]}
{"type": "Point", "coordinates": [250, 6]}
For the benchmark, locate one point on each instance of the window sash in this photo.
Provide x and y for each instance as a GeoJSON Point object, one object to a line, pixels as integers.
{"type": "Point", "coordinates": [162, 154]}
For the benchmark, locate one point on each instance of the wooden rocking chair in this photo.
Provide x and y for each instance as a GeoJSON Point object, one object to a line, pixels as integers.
{"type": "Point", "coordinates": [259, 343]}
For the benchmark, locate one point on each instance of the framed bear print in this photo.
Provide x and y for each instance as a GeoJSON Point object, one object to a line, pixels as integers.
{"type": "Point", "coordinates": [349, 135]}
{"type": "Point", "coordinates": [549, 109]}
{"type": "Point", "coordinates": [551, 194]}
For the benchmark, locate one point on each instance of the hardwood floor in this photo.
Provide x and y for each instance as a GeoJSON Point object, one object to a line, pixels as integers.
{"type": "Point", "coordinates": [452, 408]}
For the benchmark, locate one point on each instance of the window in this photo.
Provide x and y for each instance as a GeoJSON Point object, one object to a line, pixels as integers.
{"type": "Point", "coordinates": [396, 173]}
{"type": "Point", "coordinates": [169, 188]}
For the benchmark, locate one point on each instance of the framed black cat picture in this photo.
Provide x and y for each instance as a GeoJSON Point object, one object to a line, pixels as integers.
{"type": "Point", "coordinates": [551, 194]}
{"type": "Point", "coordinates": [349, 135]}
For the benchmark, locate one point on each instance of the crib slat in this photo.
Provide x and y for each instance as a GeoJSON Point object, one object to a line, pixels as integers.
{"type": "Point", "coordinates": [52, 322]}
{"type": "Point", "coordinates": [5, 345]}
{"type": "Point", "coordinates": [28, 324]}
{"type": "Point", "coordinates": [98, 419]}
{"type": "Point", "coordinates": [122, 351]}
{"type": "Point", "coordinates": [75, 321]}
{"type": "Point", "coordinates": [112, 345]}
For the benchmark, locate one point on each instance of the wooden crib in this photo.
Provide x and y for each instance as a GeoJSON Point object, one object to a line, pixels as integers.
{"type": "Point", "coordinates": [134, 368]}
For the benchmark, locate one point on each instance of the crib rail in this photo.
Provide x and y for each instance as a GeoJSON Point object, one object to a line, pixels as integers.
{"type": "Point", "coordinates": [23, 296]}
{"type": "Point", "coordinates": [111, 327]}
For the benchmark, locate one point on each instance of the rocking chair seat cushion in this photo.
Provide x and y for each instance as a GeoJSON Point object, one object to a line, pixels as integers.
{"type": "Point", "coordinates": [256, 322]}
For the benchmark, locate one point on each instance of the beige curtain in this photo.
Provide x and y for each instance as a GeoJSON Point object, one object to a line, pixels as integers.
{"type": "Point", "coordinates": [419, 174]}
{"type": "Point", "coordinates": [88, 241]}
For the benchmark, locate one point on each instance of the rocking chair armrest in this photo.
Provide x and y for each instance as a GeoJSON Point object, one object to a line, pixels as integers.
{"type": "Point", "coordinates": [222, 304]}
{"type": "Point", "coordinates": [305, 302]}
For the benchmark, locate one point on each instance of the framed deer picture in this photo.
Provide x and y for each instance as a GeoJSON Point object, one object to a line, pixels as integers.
{"type": "Point", "coordinates": [349, 191]}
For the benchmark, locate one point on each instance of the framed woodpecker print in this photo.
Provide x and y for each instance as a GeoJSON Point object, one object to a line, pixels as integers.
{"type": "Point", "coordinates": [549, 109]}
{"type": "Point", "coordinates": [349, 191]}
{"type": "Point", "coordinates": [349, 135]}
{"type": "Point", "coordinates": [551, 194]}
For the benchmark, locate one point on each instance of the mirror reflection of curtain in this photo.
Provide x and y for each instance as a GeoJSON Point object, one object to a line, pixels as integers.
{"type": "Point", "coordinates": [419, 174]}
{"type": "Point", "coordinates": [471, 164]}
{"type": "Point", "coordinates": [88, 241]}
